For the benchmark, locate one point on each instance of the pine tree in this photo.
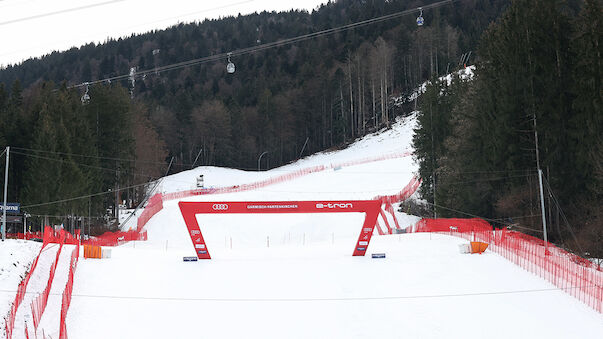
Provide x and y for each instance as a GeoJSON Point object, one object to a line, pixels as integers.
{"type": "Point", "coordinates": [432, 130]}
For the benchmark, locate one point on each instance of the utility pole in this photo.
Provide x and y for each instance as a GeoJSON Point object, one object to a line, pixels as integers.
{"type": "Point", "coordinates": [117, 199]}
{"type": "Point", "coordinates": [117, 204]}
{"type": "Point", "coordinates": [542, 210]}
{"type": "Point", "coordinates": [5, 191]}
{"type": "Point", "coordinates": [433, 164]}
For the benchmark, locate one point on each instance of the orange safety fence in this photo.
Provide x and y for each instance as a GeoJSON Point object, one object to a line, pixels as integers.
{"type": "Point", "coordinates": [94, 252]}
{"type": "Point", "coordinates": [38, 304]}
{"type": "Point", "coordinates": [9, 321]}
{"type": "Point", "coordinates": [572, 274]}
{"type": "Point", "coordinates": [25, 236]}
{"type": "Point", "coordinates": [388, 200]}
{"type": "Point", "coordinates": [280, 178]}
{"type": "Point", "coordinates": [66, 301]}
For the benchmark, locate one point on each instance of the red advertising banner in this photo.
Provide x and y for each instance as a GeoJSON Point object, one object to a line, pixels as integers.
{"type": "Point", "coordinates": [190, 209]}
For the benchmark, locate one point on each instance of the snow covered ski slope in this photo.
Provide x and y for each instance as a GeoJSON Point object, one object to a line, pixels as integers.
{"type": "Point", "coordinates": [293, 275]}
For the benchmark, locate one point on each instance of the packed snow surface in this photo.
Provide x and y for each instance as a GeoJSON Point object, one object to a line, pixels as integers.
{"type": "Point", "coordinates": [16, 258]}
{"type": "Point", "coordinates": [294, 276]}
{"type": "Point", "coordinates": [424, 288]}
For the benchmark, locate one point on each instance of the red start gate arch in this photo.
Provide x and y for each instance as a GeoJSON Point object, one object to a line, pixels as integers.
{"type": "Point", "coordinates": [189, 211]}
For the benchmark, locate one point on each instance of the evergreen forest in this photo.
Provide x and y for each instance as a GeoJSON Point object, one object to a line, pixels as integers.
{"type": "Point", "coordinates": [537, 69]}
{"type": "Point", "coordinates": [534, 102]}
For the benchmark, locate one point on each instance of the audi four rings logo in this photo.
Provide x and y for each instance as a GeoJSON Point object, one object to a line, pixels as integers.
{"type": "Point", "coordinates": [220, 207]}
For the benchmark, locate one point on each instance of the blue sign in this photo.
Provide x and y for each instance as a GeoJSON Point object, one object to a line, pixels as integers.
{"type": "Point", "coordinates": [11, 207]}
{"type": "Point", "coordinates": [189, 258]}
{"type": "Point", "coordinates": [378, 255]}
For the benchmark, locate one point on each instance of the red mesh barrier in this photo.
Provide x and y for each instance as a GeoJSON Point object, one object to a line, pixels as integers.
{"type": "Point", "coordinates": [576, 276]}
{"type": "Point", "coordinates": [9, 323]}
{"type": "Point", "coordinates": [67, 292]}
{"type": "Point", "coordinates": [452, 225]}
{"type": "Point", "coordinates": [406, 192]}
{"type": "Point", "coordinates": [278, 179]}
{"type": "Point", "coordinates": [38, 305]}
{"type": "Point", "coordinates": [388, 200]}
{"type": "Point", "coordinates": [154, 205]}
{"type": "Point", "coordinates": [26, 236]}
{"type": "Point", "coordinates": [115, 238]}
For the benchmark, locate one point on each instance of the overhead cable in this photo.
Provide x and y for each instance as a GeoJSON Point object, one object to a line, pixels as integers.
{"type": "Point", "coordinates": [258, 48]}
{"type": "Point", "coordinates": [63, 11]}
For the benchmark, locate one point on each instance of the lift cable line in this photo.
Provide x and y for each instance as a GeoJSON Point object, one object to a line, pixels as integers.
{"type": "Point", "coordinates": [422, 296]}
{"type": "Point", "coordinates": [74, 9]}
{"type": "Point", "coordinates": [556, 202]}
{"type": "Point", "coordinates": [96, 157]}
{"type": "Point", "coordinates": [248, 168]}
{"type": "Point", "coordinates": [258, 48]}
{"type": "Point", "coordinates": [85, 165]}
{"type": "Point", "coordinates": [81, 197]}
{"type": "Point", "coordinates": [497, 221]}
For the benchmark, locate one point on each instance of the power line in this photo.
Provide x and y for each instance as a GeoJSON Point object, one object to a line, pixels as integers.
{"type": "Point", "coordinates": [85, 165]}
{"type": "Point", "coordinates": [95, 156]}
{"type": "Point", "coordinates": [74, 9]}
{"type": "Point", "coordinates": [61, 216]}
{"type": "Point", "coordinates": [433, 296]}
{"type": "Point", "coordinates": [486, 180]}
{"type": "Point", "coordinates": [477, 216]}
{"type": "Point", "coordinates": [554, 198]}
{"type": "Point", "coordinates": [81, 197]}
{"type": "Point", "coordinates": [254, 49]}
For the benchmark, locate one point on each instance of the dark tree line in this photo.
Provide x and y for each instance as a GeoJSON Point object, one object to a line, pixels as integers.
{"type": "Point", "coordinates": [327, 90]}
{"type": "Point", "coordinates": [289, 101]}
{"type": "Point", "coordinates": [539, 70]}
{"type": "Point", "coordinates": [61, 149]}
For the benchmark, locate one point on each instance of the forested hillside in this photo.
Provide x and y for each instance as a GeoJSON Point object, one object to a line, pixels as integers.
{"type": "Point", "coordinates": [288, 101]}
{"type": "Point", "coordinates": [535, 100]}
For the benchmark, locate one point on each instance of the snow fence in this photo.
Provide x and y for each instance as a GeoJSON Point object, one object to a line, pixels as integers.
{"type": "Point", "coordinates": [38, 305]}
{"type": "Point", "coordinates": [575, 275]}
{"type": "Point", "coordinates": [9, 321]}
{"type": "Point", "coordinates": [279, 178]}
{"type": "Point", "coordinates": [66, 301]}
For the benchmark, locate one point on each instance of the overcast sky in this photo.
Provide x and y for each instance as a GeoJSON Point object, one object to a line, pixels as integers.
{"type": "Point", "coordinates": [32, 28]}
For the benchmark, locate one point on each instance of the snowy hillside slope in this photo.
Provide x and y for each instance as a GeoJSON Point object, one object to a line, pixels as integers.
{"type": "Point", "coordinates": [396, 139]}
{"type": "Point", "coordinates": [16, 257]}
{"type": "Point", "coordinates": [293, 276]}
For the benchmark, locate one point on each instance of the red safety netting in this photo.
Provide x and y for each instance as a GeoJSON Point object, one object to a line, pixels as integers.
{"type": "Point", "coordinates": [38, 305]}
{"type": "Point", "coordinates": [575, 275]}
{"type": "Point", "coordinates": [404, 194]}
{"type": "Point", "coordinates": [106, 239]}
{"type": "Point", "coordinates": [280, 178]}
{"type": "Point", "coordinates": [115, 238]}
{"type": "Point", "coordinates": [458, 225]}
{"type": "Point", "coordinates": [9, 323]}
{"type": "Point", "coordinates": [388, 200]}
{"type": "Point", "coordinates": [26, 236]}
{"type": "Point", "coordinates": [67, 292]}
{"type": "Point", "coordinates": [154, 205]}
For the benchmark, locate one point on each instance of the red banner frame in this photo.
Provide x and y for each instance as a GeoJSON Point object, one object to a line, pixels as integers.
{"type": "Point", "coordinates": [189, 211]}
